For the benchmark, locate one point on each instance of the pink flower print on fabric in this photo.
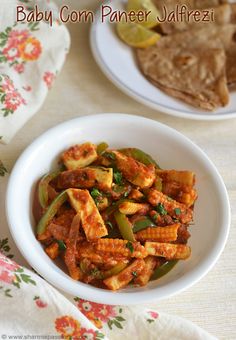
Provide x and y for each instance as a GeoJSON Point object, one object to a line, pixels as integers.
{"type": "Point", "coordinates": [48, 78]}
{"type": "Point", "coordinates": [100, 314]}
{"type": "Point", "coordinates": [19, 68]}
{"type": "Point", "coordinates": [16, 37]}
{"type": "Point", "coordinates": [10, 97]}
{"type": "Point", "coordinates": [39, 302]}
{"type": "Point", "coordinates": [11, 53]}
{"type": "Point", "coordinates": [18, 47]}
{"type": "Point", "coordinates": [7, 269]}
{"type": "Point", "coordinates": [153, 314]}
{"type": "Point", "coordinates": [13, 100]}
{"type": "Point", "coordinates": [88, 334]}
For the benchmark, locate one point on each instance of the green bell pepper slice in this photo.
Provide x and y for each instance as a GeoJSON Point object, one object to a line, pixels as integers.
{"type": "Point", "coordinates": [124, 226]}
{"type": "Point", "coordinates": [139, 156]}
{"type": "Point", "coordinates": [115, 270]}
{"type": "Point", "coordinates": [163, 269]}
{"type": "Point", "coordinates": [51, 212]}
{"type": "Point", "coordinates": [143, 223]}
{"type": "Point", "coordinates": [43, 188]}
{"type": "Point", "coordinates": [61, 244]}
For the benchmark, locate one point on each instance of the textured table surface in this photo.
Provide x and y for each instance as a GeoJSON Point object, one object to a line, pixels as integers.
{"type": "Point", "coordinates": [82, 89]}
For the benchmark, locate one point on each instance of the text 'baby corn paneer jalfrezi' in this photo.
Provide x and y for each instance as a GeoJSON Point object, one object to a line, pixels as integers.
{"type": "Point", "coordinates": [114, 217]}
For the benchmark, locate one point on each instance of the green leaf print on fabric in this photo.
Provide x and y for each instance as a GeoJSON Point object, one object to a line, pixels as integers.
{"type": "Point", "coordinates": [5, 247]}
{"type": "Point", "coordinates": [6, 291]}
{"type": "Point", "coordinates": [21, 277]}
{"type": "Point", "coordinates": [3, 172]}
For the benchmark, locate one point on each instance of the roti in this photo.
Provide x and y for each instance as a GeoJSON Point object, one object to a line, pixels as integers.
{"type": "Point", "coordinates": [213, 36]}
{"type": "Point", "coordinates": [197, 76]}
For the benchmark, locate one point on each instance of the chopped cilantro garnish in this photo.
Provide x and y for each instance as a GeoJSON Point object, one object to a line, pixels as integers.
{"type": "Point", "coordinates": [94, 272]}
{"type": "Point", "coordinates": [134, 274]}
{"type": "Point", "coordinates": [109, 155]}
{"type": "Point", "coordinates": [177, 211]}
{"type": "Point", "coordinates": [96, 195]}
{"type": "Point", "coordinates": [160, 209]}
{"type": "Point", "coordinates": [155, 216]}
{"type": "Point", "coordinates": [129, 245]}
{"type": "Point", "coordinates": [118, 178]}
{"type": "Point", "coordinates": [61, 244]}
{"type": "Point", "coordinates": [126, 194]}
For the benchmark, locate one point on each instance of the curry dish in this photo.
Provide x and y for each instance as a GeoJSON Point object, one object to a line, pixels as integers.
{"type": "Point", "coordinates": [114, 216]}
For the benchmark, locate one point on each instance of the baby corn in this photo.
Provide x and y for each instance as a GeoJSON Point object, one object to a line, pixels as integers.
{"type": "Point", "coordinates": [144, 277]}
{"type": "Point", "coordinates": [130, 208]}
{"type": "Point", "coordinates": [122, 247]}
{"type": "Point", "coordinates": [171, 207]}
{"type": "Point", "coordinates": [168, 250]}
{"type": "Point", "coordinates": [160, 234]}
{"type": "Point", "coordinates": [121, 280]}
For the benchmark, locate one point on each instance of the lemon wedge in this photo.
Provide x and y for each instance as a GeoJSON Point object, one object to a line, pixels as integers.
{"type": "Point", "coordinates": [144, 5]}
{"type": "Point", "coordinates": [136, 35]}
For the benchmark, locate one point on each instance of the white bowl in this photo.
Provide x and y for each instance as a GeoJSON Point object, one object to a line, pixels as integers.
{"type": "Point", "coordinates": [172, 150]}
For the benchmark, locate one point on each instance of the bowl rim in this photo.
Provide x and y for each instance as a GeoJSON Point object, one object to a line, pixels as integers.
{"type": "Point", "coordinates": [86, 291]}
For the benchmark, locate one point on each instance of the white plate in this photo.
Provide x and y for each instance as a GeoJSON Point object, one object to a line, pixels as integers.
{"type": "Point", "coordinates": [118, 63]}
{"type": "Point", "coordinates": [172, 150]}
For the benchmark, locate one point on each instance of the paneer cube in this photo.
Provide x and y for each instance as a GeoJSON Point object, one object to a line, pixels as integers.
{"type": "Point", "coordinates": [79, 156]}
{"type": "Point", "coordinates": [92, 222]}
{"type": "Point", "coordinates": [135, 172]}
{"type": "Point", "coordinates": [86, 178]}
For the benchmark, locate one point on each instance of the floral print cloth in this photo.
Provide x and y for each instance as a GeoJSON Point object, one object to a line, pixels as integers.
{"type": "Point", "coordinates": [47, 313]}
{"type": "Point", "coordinates": [31, 307]}
{"type": "Point", "coordinates": [31, 55]}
